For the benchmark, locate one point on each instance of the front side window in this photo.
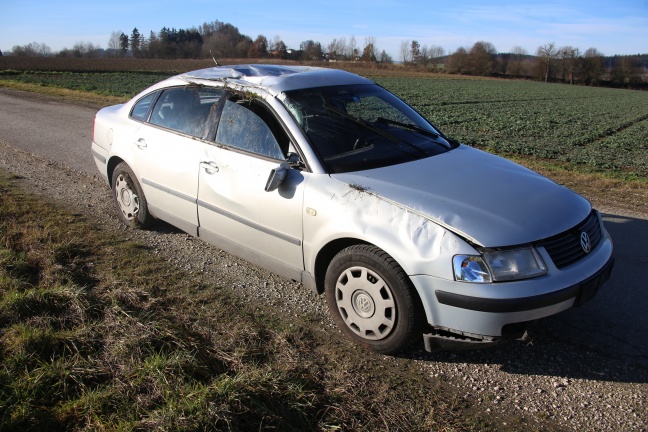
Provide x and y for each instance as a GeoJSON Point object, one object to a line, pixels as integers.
{"type": "Point", "coordinates": [185, 109]}
{"type": "Point", "coordinates": [246, 125]}
{"type": "Point", "coordinates": [361, 127]}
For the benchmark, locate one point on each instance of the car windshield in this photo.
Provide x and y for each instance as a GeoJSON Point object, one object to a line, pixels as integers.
{"type": "Point", "coordinates": [359, 127]}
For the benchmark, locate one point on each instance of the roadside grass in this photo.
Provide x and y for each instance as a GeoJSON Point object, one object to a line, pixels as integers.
{"type": "Point", "coordinates": [82, 97]}
{"type": "Point", "coordinates": [98, 333]}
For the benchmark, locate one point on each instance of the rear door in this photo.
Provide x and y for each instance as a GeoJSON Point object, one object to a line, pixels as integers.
{"type": "Point", "coordinates": [168, 151]}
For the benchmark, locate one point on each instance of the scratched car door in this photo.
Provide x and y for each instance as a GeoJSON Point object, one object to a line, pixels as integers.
{"type": "Point", "coordinates": [234, 210]}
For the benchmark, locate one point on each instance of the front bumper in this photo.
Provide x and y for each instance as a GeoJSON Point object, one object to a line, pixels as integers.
{"type": "Point", "coordinates": [446, 340]}
{"type": "Point", "coordinates": [482, 314]}
{"type": "Point", "coordinates": [580, 292]}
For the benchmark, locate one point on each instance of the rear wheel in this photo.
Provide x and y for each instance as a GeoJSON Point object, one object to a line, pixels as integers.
{"type": "Point", "coordinates": [129, 198]}
{"type": "Point", "coordinates": [372, 300]}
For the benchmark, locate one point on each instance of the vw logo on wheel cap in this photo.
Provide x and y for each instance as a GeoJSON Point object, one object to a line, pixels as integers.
{"type": "Point", "coordinates": [585, 242]}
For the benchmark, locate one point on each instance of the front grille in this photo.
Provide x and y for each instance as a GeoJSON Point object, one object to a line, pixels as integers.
{"type": "Point", "coordinates": [565, 248]}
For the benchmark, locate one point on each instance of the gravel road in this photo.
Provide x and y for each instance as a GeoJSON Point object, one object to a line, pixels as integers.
{"type": "Point", "coordinates": [585, 370]}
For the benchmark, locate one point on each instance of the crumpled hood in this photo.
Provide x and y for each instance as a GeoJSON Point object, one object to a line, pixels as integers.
{"type": "Point", "coordinates": [487, 199]}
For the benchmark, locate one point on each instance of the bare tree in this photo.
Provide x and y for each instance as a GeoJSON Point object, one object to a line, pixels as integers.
{"type": "Point", "coordinates": [457, 61]}
{"type": "Point", "coordinates": [517, 65]}
{"type": "Point", "coordinates": [338, 48]}
{"type": "Point", "coordinates": [33, 49]}
{"type": "Point", "coordinates": [546, 55]}
{"type": "Point", "coordinates": [385, 58]}
{"type": "Point", "coordinates": [370, 50]}
{"type": "Point", "coordinates": [568, 58]}
{"type": "Point", "coordinates": [311, 50]}
{"type": "Point", "coordinates": [592, 66]}
{"type": "Point", "coordinates": [331, 50]}
{"type": "Point", "coordinates": [352, 48]}
{"type": "Point", "coordinates": [258, 48]}
{"type": "Point", "coordinates": [481, 58]}
{"type": "Point", "coordinates": [281, 50]}
{"type": "Point", "coordinates": [405, 53]}
{"type": "Point", "coordinates": [435, 52]}
{"type": "Point", "coordinates": [113, 43]}
{"type": "Point", "coordinates": [425, 55]}
{"type": "Point", "coordinates": [278, 48]}
{"type": "Point", "coordinates": [626, 71]}
{"type": "Point", "coordinates": [83, 49]}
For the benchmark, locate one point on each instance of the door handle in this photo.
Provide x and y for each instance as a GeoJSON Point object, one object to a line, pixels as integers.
{"type": "Point", "coordinates": [141, 143]}
{"type": "Point", "coordinates": [209, 167]}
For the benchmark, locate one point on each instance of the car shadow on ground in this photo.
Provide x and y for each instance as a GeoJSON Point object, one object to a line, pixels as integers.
{"type": "Point", "coordinates": [603, 340]}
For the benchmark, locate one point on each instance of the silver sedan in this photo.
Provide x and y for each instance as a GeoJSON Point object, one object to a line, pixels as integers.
{"type": "Point", "coordinates": [326, 178]}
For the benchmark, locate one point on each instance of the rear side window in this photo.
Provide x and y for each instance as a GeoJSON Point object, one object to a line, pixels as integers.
{"type": "Point", "coordinates": [185, 109]}
{"type": "Point", "coordinates": [141, 108]}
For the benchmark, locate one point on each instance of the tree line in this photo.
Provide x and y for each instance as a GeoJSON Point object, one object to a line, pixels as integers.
{"type": "Point", "coordinates": [223, 40]}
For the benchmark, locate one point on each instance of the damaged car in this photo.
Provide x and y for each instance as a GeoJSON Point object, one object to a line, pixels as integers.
{"type": "Point", "coordinates": [328, 179]}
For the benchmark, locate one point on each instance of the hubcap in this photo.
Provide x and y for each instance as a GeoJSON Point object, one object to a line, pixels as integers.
{"type": "Point", "coordinates": [366, 303]}
{"type": "Point", "coordinates": [363, 305]}
{"type": "Point", "coordinates": [126, 199]}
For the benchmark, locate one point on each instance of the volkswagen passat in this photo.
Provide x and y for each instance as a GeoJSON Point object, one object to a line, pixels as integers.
{"type": "Point", "coordinates": [326, 178]}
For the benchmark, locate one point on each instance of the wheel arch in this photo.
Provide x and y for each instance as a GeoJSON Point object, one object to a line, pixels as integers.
{"type": "Point", "coordinates": [110, 167]}
{"type": "Point", "coordinates": [325, 256]}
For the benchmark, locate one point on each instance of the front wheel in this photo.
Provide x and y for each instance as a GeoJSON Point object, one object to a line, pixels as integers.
{"type": "Point", "coordinates": [372, 300]}
{"type": "Point", "coordinates": [129, 198]}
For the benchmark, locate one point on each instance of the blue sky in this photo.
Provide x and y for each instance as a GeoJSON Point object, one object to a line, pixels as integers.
{"type": "Point", "coordinates": [613, 27]}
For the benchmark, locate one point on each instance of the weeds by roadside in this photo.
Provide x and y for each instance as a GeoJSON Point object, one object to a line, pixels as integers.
{"type": "Point", "coordinates": [95, 332]}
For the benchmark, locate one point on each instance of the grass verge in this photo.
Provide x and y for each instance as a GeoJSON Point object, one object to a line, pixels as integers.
{"type": "Point", "coordinates": [75, 96]}
{"type": "Point", "coordinates": [97, 333]}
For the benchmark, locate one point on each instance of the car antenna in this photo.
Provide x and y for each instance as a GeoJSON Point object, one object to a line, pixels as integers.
{"type": "Point", "coordinates": [213, 58]}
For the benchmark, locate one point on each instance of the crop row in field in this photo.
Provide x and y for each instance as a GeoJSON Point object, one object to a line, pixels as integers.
{"type": "Point", "coordinates": [602, 128]}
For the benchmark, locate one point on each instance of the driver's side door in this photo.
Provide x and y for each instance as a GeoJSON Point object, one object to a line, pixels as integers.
{"type": "Point", "coordinates": [234, 210]}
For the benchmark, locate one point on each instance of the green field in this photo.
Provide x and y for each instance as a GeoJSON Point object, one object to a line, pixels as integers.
{"type": "Point", "coordinates": [599, 128]}
{"type": "Point", "coordinates": [594, 129]}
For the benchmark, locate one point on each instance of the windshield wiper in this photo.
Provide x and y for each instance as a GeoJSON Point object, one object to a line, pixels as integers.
{"type": "Point", "coordinates": [409, 126]}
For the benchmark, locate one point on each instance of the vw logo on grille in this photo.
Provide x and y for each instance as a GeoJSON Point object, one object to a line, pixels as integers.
{"type": "Point", "coordinates": [585, 242]}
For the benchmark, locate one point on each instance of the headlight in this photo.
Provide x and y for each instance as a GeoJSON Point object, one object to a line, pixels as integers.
{"type": "Point", "coordinates": [470, 268]}
{"type": "Point", "coordinates": [499, 266]}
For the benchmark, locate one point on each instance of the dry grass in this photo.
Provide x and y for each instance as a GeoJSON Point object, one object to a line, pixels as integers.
{"type": "Point", "coordinates": [96, 333]}
{"type": "Point", "coordinates": [79, 97]}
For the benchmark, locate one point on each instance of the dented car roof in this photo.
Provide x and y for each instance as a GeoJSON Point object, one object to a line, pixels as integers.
{"type": "Point", "coordinates": [275, 78]}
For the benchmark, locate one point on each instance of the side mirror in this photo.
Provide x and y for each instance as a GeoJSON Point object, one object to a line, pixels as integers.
{"type": "Point", "coordinates": [276, 177]}
{"type": "Point", "coordinates": [295, 161]}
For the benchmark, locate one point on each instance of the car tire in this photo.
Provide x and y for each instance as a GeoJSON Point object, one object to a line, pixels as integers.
{"type": "Point", "coordinates": [372, 300]}
{"type": "Point", "coordinates": [129, 198]}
